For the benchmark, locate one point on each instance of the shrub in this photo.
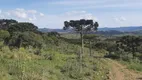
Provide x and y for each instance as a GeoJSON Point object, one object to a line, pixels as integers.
{"type": "Point", "coordinates": [4, 34]}
{"type": "Point", "coordinates": [25, 39]}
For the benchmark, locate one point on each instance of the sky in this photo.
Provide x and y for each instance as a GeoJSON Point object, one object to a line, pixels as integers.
{"type": "Point", "coordinates": [53, 13]}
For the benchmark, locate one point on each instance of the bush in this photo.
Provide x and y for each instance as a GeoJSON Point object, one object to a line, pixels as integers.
{"type": "Point", "coordinates": [25, 39]}
{"type": "Point", "coordinates": [72, 69]}
{"type": "Point", "coordinates": [112, 55]}
{"type": "Point", "coordinates": [135, 66]}
{"type": "Point", "coordinates": [4, 34]}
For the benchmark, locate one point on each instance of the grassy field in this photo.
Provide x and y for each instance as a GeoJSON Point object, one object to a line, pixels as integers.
{"type": "Point", "coordinates": [59, 63]}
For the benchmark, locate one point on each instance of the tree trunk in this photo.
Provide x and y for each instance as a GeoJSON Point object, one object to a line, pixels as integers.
{"type": "Point", "coordinates": [90, 48]}
{"type": "Point", "coordinates": [133, 52]}
{"type": "Point", "coordinates": [82, 50]}
{"type": "Point", "coordinates": [82, 45]}
{"type": "Point", "coordinates": [19, 42]}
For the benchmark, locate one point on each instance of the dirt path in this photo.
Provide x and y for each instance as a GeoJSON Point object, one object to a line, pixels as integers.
{"type": "Point", "coordinates": [119, 72]}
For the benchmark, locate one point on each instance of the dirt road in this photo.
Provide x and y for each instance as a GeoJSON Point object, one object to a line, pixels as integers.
{"type": "Point", "coordinates": [120, 72]}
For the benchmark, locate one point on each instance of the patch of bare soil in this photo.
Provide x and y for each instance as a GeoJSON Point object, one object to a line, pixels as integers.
{"type": "Point", "coordinates": [120, 72]}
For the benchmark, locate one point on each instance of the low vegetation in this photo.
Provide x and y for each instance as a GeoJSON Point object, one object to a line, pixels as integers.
{"type": "Point", "coordinates": [28, 54]}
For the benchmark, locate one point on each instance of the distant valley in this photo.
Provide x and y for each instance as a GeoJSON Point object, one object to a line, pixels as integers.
{"type": "Point", "coordinates": [134, 30]}
{"type": "Point", "coordinates": [121, 29]}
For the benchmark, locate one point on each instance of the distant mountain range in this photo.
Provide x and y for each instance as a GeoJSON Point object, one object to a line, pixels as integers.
{"type": "Point", "coordinates": [123, 29]}
{"type": "Point", "coordinates": [120, 29]}
{"type": "Point", "coordinates": [51, 30]}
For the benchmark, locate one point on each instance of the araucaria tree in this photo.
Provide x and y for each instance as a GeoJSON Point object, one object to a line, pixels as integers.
{"type": "Point", "coordinates": [81, 26]}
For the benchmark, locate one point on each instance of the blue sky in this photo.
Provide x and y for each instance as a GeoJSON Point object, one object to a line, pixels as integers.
{"type": "Point", "coordinates": [52, 13]}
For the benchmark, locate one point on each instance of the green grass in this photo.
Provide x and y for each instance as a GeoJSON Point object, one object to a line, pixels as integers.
{"type": "Point", "coordinates": [22, 68]}
{"type": "Point", "coordinates": [51, 64]}
{"type": "Point", "coordinates": [134, 64]}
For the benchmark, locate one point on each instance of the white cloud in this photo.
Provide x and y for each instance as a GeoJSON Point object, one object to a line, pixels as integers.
{"type": "Point", "coordinates": [30, 19]}
{"type": "Point", "coordinates": [2, 16]}
{"type": "Point", "coordinates": [41, 14]}
{"type": "Point", "coordinates": [120, 19]}
{"type": "Point", "coordinates": [8, 13]}
{"type": "Point", "coordinates": [0, 11]}
{"type": "Point", "coordinates": [20, 9]}
{"type": "Point", "coordinates": [33, 18]}
{"type": "Point", "coordinates": [32, 11]}
{"type": "Point", "coordinates": [21, 14]}
{"type": "Point", "coordinates": [77, 15]}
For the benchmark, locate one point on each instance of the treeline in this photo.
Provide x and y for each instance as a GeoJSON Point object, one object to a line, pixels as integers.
{"type": "Point", "coordinates": [124, 47]}
{"type": "Point", "coordinates": [23, 34]}
{"type": "Point", "coordinates": [118, 47]}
